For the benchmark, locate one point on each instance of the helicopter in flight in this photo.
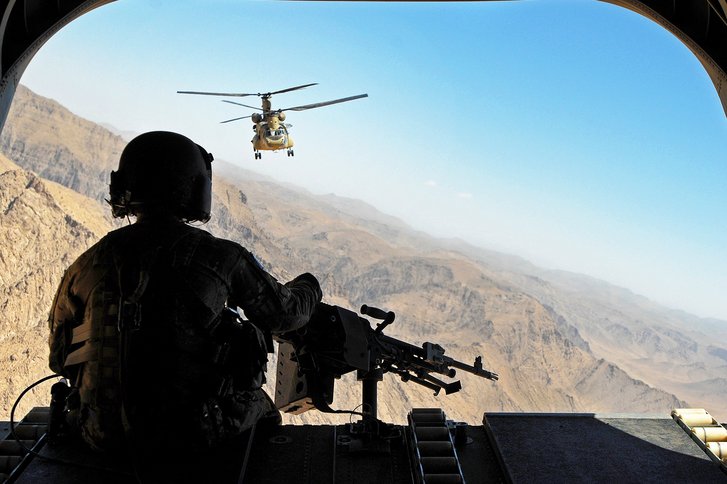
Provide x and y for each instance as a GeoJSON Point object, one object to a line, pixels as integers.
{"type": "Point", "coordinates": [271, 132]}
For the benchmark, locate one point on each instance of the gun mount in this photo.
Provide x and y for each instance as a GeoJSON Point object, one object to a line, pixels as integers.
{"type": "Point", "coordinates": [337, 341]}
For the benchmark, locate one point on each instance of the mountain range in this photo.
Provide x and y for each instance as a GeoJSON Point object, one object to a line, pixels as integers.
{"type": "Point", "coordinates": [561, 342]}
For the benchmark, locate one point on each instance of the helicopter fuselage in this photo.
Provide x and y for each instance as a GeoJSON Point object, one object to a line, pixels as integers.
{"type": "Point", "coordinates": [271, 135]}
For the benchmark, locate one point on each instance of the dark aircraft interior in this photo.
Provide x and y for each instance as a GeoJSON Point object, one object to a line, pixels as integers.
{"type": "Point", "coordinates": [505, 448]}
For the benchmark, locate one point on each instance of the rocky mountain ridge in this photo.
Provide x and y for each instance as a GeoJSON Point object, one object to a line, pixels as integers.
{"type": "Point", "coordinates": [552, 355]}
{"type": "Point", "coordinates": [40, 238]}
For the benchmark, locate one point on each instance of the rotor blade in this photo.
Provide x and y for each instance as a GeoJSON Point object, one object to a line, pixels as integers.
{"type": "Point", "coordinates": [288, 89]}
{"type": "Point", "coordinates": [242, 94]}
{"type": "Point", "coordinates": [235, 119]}
{"type": "Point", "coordinates": [240, 104]}
{"type": "Point", "coordinates": [327, 103]}
{"type": "Point", "coordinates": [228, 94]}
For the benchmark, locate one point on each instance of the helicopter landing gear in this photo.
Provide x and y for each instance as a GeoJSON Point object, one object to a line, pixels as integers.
{"type": "Point", "coordinates": [291, 153]}
{"type": "Point", "coordinates": [258, 155]}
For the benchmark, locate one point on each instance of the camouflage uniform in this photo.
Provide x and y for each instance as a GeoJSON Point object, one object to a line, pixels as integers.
{"type": "Point", "coordinates": [181, 279]}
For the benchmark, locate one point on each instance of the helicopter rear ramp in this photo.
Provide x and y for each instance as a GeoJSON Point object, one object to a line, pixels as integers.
{"type": "Point", "coordinates": [577, 448]}
{"type": "Point", "coordinates": [508, 447]}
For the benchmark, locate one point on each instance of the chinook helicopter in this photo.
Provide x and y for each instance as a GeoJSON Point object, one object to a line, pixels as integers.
{"type": "Point", "coordinates": [271, 133]}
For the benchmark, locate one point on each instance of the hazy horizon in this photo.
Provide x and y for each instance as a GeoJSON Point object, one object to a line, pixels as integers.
{"type": "Point", "coordinates": [523, 127]}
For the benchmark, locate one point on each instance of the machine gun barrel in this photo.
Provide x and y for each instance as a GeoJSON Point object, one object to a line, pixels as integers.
{"type": "Point", "coordinates": [475, 369]}
{"type": "Point", "coordinates": [430, 357]}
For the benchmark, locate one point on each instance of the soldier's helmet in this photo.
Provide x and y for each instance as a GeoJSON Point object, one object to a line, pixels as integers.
{"type": "Point", "coordinates": [163, 172]}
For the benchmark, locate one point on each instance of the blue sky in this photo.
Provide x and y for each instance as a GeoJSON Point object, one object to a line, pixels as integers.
{"type": "Point", "coordinates": [575, 133]}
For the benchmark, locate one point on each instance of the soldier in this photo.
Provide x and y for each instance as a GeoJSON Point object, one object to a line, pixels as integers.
{"type": "Point", "coordinates": [143, 323]}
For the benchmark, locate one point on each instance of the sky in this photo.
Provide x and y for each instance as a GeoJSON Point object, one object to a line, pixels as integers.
{"type": "Point", "coordinates": [576, 134]}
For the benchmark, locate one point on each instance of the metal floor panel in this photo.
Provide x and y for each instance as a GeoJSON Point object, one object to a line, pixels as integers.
{"type": "Point", "coordinates": [577, 448]}
{"type": "Point", "coordinates": [81, 465]}
{"type": "Point", "coordinates": [292, 454]}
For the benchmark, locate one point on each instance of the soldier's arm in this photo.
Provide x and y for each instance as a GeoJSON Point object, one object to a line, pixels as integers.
{"type": "Point", "coordinates": [60, 323]}
{"type": "Point", "coordinates": [68, 308]}
{"type": "Point", "coordinates": [273, 306]}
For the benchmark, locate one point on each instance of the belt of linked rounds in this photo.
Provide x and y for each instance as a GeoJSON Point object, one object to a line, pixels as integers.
{"type": "Point", "coordinates": [704, 429]}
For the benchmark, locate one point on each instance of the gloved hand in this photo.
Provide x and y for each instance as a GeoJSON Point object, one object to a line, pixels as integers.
{"type": "Point", "coordinates": [309, 281]}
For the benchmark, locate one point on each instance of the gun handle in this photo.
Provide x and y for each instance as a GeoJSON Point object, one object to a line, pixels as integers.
{"type": "Point", "coordinates": [376, 313]}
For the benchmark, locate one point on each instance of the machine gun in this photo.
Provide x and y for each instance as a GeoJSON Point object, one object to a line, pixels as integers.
{"type": "Point", "coordinates": [337, 341]}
